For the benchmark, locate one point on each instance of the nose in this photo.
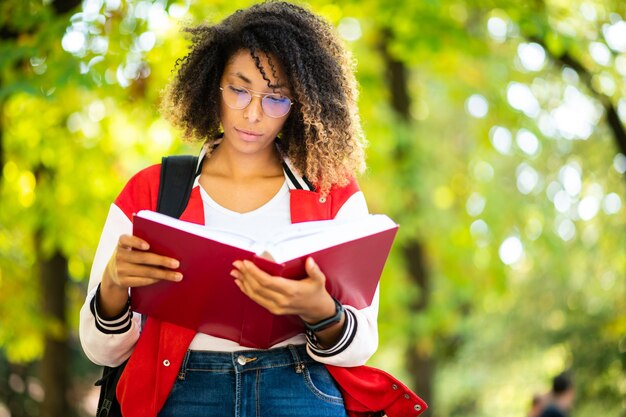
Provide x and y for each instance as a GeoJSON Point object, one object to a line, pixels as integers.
{"type": "Point", "coordinates": [253, 111]}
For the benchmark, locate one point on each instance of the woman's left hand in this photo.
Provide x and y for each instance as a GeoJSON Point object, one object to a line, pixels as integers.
{"type": "Point", "coordinates": [306, 298]}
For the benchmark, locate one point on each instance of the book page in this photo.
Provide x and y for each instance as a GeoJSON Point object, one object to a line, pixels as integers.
{"type": "Point", "coordinates": [290, 242]}
{"type": "Point", "coordinates": [298, 242]}
{"type": "Point", "coordinates": [224, 236]}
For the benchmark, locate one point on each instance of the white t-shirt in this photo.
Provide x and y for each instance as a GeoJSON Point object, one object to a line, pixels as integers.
{"type": "Point", "coordinates": [257, 224]}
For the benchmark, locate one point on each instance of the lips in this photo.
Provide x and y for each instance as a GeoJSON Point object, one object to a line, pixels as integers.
{"type": "Point", "coordinates": [248, 135]}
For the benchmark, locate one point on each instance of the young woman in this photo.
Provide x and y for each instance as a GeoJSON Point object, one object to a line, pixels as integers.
{"type": "Point", "coordinates": [271, 92]}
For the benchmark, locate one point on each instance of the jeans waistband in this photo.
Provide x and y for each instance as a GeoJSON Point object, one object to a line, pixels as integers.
{"type": "Point", "coordinates": [245, 360]}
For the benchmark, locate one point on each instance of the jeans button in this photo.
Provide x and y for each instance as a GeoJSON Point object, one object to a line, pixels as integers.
{"type": "Point", "coordinates": [241, 360]}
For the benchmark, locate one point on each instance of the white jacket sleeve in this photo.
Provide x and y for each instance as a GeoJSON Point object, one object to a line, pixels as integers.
{"type": "Point", "coordinates": [359, 339]}
{"type": "Point", "coordinates": [107, 341]}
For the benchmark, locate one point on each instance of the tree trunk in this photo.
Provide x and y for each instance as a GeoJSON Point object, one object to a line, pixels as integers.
{"type": "Point", "coordinates": [421, 365]}
{"type": "Point", "coordinates": [2, 157]}
{"type": "Point", "coordinates": [53, 274]}
{"type": "Point", "coordinates": [53, 277]}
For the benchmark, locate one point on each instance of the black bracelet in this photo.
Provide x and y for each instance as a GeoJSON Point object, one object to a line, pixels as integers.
{"type": "Point", "coordinates": [326, 323]}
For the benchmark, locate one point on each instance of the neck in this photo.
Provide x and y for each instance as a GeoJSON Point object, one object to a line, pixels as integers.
{"type": "Point", "coordinates": [226, 161]}
{"type": "Point", "coordinates": [563, 402]}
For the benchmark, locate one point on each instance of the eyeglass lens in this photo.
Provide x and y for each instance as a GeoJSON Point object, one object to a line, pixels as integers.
{"type": "Point", "coordinates": [238, 98]}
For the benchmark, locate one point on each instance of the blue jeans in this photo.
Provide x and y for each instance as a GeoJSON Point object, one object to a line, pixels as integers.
{"type": "Point", "coordinates": [281, 382]}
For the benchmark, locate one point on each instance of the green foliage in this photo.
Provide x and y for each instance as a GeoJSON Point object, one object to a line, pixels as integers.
{"type": "Point", "coordinates": [488, 321]}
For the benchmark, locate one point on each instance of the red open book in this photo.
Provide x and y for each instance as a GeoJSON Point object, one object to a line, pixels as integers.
{"type": "Point", "coordinates": [351, 254]}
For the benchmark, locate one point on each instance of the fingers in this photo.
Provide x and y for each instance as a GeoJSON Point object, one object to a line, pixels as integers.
{"type": "Point", "coordinates": [258, 280]}
{"type": "Point", "coordinates": [250, 278]}
{"type": "Point", "coordinates": [247, 267]}
{"type": "Point", "coordinates": [313, 270]}
{"type": "Point", "coordinates": [138, 272]}
{"type": "Point", "coordinates": [135, 257]}
{"type": "Point", "coordinates": [138, 275]}
{"type": "Point", "coordinates": [281, 295]}
{"type": "Point", "coordinates": [269, 291]}
{"type": "Point", "coordinates": [133, 266]}
{"type": "Point", "coordinates": [129, 242]}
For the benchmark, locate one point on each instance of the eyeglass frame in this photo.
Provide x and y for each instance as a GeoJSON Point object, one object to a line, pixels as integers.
{"type": "Point", "coordinates": [259, 94]}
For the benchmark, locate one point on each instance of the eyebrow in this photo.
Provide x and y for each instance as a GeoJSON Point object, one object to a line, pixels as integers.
{"type": "Point", "coordinates": [247, 80]}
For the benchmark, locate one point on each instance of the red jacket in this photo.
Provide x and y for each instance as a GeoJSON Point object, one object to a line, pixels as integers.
{"type": "Point", "coordinates": [153, 367]}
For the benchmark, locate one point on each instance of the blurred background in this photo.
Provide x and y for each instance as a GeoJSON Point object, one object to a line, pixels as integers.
{"type": "Point", "coordinates": [496, 140]}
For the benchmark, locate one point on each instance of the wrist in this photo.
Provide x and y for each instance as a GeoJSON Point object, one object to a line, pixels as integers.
{"type": "Point", "coordinates": [327, 321]}
{"type": "Point", "coordinates": [110, 309]}
{"type": "Point", "coordinates": [323, 310]}
{"type": "Point", "coordinates": [111, 298]}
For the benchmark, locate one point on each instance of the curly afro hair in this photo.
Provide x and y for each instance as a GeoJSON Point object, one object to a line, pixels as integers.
{"type": "Point", "coordinates": [322, 136]}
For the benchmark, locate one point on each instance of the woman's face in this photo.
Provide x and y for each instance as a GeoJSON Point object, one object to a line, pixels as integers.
{"type": "Point", "coordinates": [250, 129]}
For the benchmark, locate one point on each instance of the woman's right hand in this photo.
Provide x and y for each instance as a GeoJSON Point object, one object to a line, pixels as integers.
{"type": "Point", "coordinates": [132, 265]}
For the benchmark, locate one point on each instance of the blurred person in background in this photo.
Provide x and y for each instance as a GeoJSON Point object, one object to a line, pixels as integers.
{"type": "Point", "coordinates": [562, 397]}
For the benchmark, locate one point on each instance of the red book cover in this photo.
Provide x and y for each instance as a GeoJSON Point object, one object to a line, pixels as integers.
{"type": "Point", "coordinates": [207, 299]}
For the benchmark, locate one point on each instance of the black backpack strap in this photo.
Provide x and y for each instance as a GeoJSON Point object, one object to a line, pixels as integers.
{"type": "Point", "coordinates": [177, 176]}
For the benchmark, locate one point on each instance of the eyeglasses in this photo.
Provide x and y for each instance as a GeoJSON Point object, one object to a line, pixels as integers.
{"type": "Point", "coordinates": [273, 105]}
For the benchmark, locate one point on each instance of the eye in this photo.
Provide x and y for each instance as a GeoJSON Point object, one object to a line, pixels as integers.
{"type": "Point", "coordinates": [277, 99]}
{"type": "Point", "coordinates": [237, 90]}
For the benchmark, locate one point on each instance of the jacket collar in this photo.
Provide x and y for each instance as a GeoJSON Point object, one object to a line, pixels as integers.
{"type": "Point", "coordinates": [295, 181]}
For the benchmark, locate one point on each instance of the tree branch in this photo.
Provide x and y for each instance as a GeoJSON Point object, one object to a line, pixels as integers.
{"type": "Point", "coordinates": [64, 6]}
{"type": "Point", "coordinates": [615, 124]}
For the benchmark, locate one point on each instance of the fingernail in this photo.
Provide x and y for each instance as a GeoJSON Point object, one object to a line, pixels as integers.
{"type": "Point", "coordinates": [234, 273]}
{"type": "Point", "coordinates": [175, 264]}
{"type": "Point", "coordinates": [179, 276]}
{"type": "Point", "coordinates": [145, 246]}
